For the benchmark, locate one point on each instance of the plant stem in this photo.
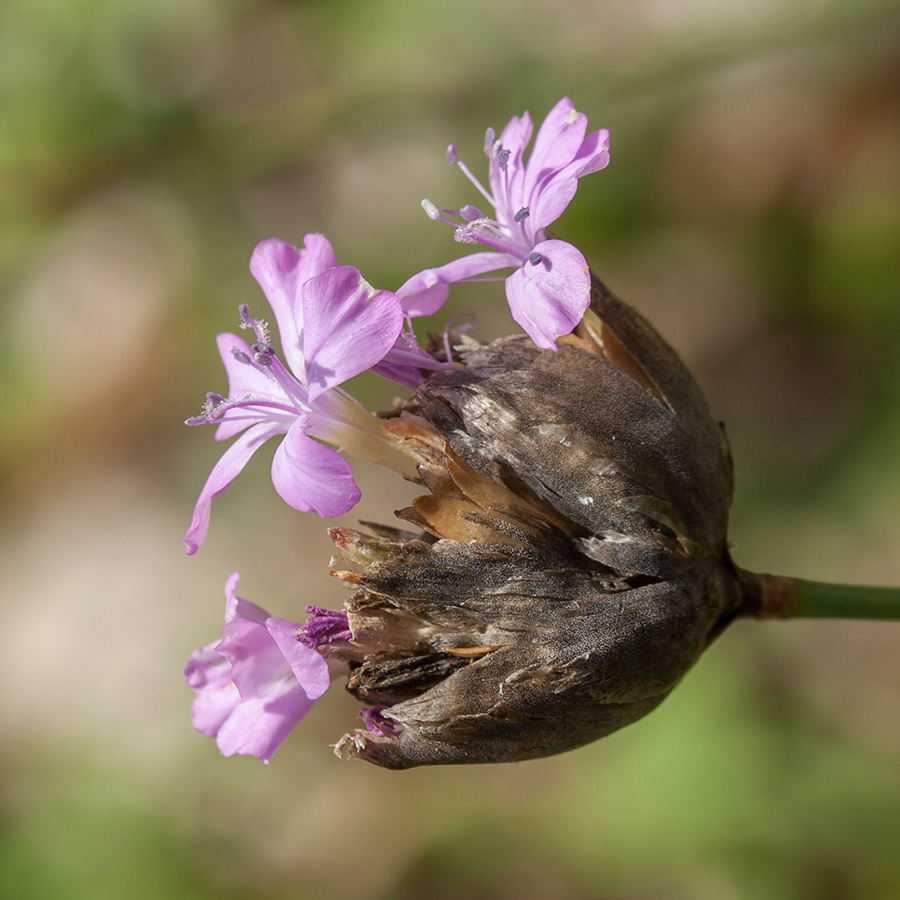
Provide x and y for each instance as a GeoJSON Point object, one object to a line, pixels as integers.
{"type": "Point", "coordinates": [777, 597]}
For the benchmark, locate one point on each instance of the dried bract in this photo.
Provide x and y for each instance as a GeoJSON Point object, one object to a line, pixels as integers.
{"type": "Point", "coordinates": [569, 564]}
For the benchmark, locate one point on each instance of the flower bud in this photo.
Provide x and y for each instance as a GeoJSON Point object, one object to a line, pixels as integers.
{"type": "Point", "coordinates": [569, 564]}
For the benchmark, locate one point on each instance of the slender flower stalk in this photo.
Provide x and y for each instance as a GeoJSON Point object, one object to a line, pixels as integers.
{"type": "Point", "coordinates": [779, 597]}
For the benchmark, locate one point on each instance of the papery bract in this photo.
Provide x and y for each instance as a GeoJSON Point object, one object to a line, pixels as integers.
{"type": "Point", "coordinates": [550, 289]}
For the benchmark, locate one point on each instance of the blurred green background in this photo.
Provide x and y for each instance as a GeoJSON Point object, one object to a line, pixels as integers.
{"type": "Point", "coordinates": [751, 210]}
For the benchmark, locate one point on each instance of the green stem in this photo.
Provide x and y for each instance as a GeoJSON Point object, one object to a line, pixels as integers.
{"type": "Point", "coordinates": [773, 596]}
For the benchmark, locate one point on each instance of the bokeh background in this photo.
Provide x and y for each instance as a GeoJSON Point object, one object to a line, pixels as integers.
{"type": "Point", "coordinates": [751, 210]}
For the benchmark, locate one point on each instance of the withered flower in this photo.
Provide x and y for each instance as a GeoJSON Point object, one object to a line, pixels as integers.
{"type": "Point", "coordinates": [572, 561]}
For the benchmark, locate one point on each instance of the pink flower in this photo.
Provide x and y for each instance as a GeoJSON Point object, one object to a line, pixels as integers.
{"type": "Point", "coordinates": [550, 288]}
{"type": "Point", "coordinates": [333, 326]}
{"type": "Point", "coordinates": [264, 675]}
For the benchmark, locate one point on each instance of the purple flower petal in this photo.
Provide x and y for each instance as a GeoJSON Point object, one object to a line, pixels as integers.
{"type": "Point", "coordinates": [551, 202]}
{"type": "Point", "coordinates": [558, 141]}
{"type": "Point", "coordinates": [216, 697]}
{"type": "Point", "coordinates": [549, 299]}
{"type": "Point", "coordinates": [281, 270]}
{"type": "Point", "coordinates": [259, 726]}
{"type": "Point", "coordinates": [237, 607]}
{"type": "Point", "coordinates": [507, 182]}
{"type": "Point", "coordinates": [348, 326]}
{"type": "Point", "coordinates": [224, 472]}
{"type": "Point", "coordinates": [593, 155]}
{"type": "Point", "coordinates": [312, 477]}
{"type": "Point", "coordinates": [552, 195]}
{"type": "Point", "coordinates": [256, 662]}
{"type": "Point", "coordinates": [406, 360]}
{"type": "Point", "coordinates": [427, 290]}
{"type": "Point", "coordinates": [307, 664]}
{"type": "Point", "coordinates": [515, 137]}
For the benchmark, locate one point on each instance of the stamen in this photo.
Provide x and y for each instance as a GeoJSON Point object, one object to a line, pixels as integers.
{"type": "Point", "coordinates": [263, 353]}
{"type": "Point", "coordinates": [451, 155]}
{"type": "Point", "coordinates": [503, 159]}
{"type": "Point", "coordinates": [378, 724]}
{"type": "Point", "coordinates": [431, 209]}
{"type": "Point", "coordinates": [490, 136]}
{"type": "Point", "coordinates": [211, 408]}
{"type": "Point", "coordinates": [324, 626]}
{"type": "Point", "coordinates": [522, 215]}
{"type": "Point", "coordinates": [260, 328]}
{"type": "Point", "coordinates": [470, 213]}
{"type": "Point", "coordinates": [452, 328]}
{"type": "Point", "coordinates": [240, 356]}
{"type": "Point", "coordinates": [535, 259]}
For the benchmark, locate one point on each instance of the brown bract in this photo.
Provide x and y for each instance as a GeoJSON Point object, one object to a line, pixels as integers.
{"type": "Point", "coordinates": [569, 563]}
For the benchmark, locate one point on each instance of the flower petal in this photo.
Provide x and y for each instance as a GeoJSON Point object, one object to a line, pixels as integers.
{"type": "Point", "coordinates": [259, 726]}
{"type": "Point", "coordinates": [550, 202]}
{"type": "Point", "coordinates": [311, 477]}
{"type": "Point", "coordinates": [348, 326]}
{"type": "Point", "coordinates": [552, 195]}
{"type": "Point", "coordinates": [223, 473]}
{"type": "Point", "coordinates": [257, 665]}
{"type": "Point", "coordinates": [281, 270]}
{"type": "Point", "coordinates": [515, 137]}
{"type": "Point", "coordinates": [593, 154]}
{"type": "Point", "coordinates": [215, 696]}
{"type": "Point", "coordinates": [423, 294]}
{"type": "Point", "coordinates": [237, 607]}
{"type": "Point", "coordinates": [549, 299]}
{"type": "Point", "coordinates": [404, 362]}
{"type": "Point", "coordinates": [507, 183]}
{"type": "Point", "coordinates": [558, 140]}
{"type": "Point", "coordinates": [307, 664]}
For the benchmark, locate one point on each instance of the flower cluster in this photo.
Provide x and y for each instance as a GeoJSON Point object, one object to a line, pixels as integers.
{"type": "Point", "coordinates": [265, 673]}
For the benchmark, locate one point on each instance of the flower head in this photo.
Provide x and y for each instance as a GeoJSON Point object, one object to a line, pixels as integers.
{"type": "Point", "coordinates": [333, 326]}
{"type": "Point", "coordinates": [550, 288]}
{"type": "Point", "coordinates": [262, 677]}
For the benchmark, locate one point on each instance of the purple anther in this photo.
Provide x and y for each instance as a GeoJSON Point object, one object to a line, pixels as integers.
{"type": "Point", "coordinates": [378, 724]}
{"type": "Point", "coordinates": [451, 155]}
{"type": "Point", "coordinates": [535, 259]}
{"type": "Point", "coordinates": [324, 626]}
{"type": "Point", "coordinates": [470, 213]}
{"type": "Point", "coordinates": [522, 215]}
